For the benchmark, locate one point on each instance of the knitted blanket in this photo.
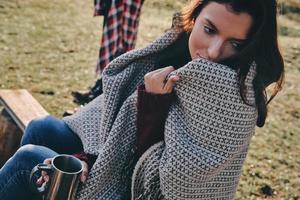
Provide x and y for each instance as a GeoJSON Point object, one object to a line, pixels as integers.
{"type": "Point", "coordinates": [207, 132]}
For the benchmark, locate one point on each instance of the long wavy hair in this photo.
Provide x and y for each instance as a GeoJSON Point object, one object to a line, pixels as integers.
{"type": "Point", "coordinates": [261, 48]}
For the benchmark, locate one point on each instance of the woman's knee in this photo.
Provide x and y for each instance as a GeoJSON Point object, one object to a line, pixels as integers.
{"type": "Point", "coordinates": [52, 133]}
{"type": "Point", "coordinates": [30, 155]}
{"type": "Point", "coordinates": [28, 152]}
{"type": "Point", "coordinates": [26, 157]}
{"type": "Point", "coordinates": [37, 129]}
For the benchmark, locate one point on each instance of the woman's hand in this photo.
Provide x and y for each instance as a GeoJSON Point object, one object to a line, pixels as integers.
{"type": "Point", "coordinates": [156, 81]}
{"type": "Point", "coordinates": [85, 172]}
{"type": "Point", "coordinates": [45, 177]}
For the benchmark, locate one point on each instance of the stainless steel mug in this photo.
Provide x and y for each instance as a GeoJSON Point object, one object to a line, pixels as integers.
{"type": "Point", "coordinates": [64, 172]}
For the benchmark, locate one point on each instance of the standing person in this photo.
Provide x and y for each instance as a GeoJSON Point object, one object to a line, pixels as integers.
{"type": "Point", "coordinates": [189, 126]}
{"type": "Point", "coordinates": [120, 28]}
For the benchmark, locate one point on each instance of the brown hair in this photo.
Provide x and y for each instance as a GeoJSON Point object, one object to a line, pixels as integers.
{"type": "Point", "coordinates": [261, 48]}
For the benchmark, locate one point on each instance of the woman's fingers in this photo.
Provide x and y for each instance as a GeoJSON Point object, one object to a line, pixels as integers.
{"type": "Point", "coordinates": [168, 82]}
{"type": "Point", "coordinates": [156, 71]}
{"type": "Point", "coordinates": [47, 161]}
{"type": "Point", "coordinates": [44, 176]}
{"type": "Point", "coordinates": [85, 172]}
{"type": "Point", "coordinates": [159, 74]}
{"type": "Point", "coordinates": [40, 181]}
{"type": "Point", "coordinates": [163, 74]}
{"type": "Point", "coordinates": [150, 74]}
{"type": "Point", "coordinates": [156, 81]}
{"type": "Point", "coordinates": [168, 87]}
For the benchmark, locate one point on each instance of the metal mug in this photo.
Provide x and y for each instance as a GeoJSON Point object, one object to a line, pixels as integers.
{"type": "Point", "coordinates": [64, 172]}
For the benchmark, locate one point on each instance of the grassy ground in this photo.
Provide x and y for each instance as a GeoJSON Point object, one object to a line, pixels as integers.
{"type": "Point", "coordinates": [50, 48]}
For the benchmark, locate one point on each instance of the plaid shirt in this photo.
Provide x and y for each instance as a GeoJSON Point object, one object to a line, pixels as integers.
{"type": "Point", "coordinates": [121, 18]}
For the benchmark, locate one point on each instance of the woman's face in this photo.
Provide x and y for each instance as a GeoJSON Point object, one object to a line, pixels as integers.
{"type": "Point", "coordinates": [218, 33]}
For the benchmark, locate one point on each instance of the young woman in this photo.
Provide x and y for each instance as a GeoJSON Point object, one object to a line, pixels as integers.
{"type": "Point", "coordinates": [201, 91]}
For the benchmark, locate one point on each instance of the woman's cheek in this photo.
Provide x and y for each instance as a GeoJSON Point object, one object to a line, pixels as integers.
{"type": "Point", "coordinates": [197, 43]}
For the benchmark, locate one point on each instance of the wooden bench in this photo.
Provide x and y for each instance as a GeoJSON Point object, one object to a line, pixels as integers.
{"type": "Point", "coordinates": [19, 108]}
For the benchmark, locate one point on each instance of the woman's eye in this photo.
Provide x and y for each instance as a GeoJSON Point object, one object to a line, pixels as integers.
{"type": "Point", "coordinates": [236, 45]}
{"type": "Point", "coordinates": [209, 30]}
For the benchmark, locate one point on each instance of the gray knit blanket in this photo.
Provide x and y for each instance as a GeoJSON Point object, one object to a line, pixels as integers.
{"type": "Point", "coordinates": [207, 132]}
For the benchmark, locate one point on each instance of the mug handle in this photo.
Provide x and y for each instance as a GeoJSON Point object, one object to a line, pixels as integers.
{"type": "Point", "coordinates": [38, 168]}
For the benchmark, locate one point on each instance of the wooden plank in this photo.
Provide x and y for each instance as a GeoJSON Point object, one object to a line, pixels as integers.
{"type": "Point", "coordinates": [10, 136]}
{"type": "Point", "coordinates": [21, 106]}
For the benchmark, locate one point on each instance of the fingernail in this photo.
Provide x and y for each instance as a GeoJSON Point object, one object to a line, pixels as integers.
{"type": "Point", "coordinates": [39, 181]}
{"type": "Point", "coordinates": [175, 78]}
{"type": "Point", "coordinates": [46, 178]}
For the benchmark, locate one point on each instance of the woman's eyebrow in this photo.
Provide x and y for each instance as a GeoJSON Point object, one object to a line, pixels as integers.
{"type": "Point", "coordinates": [239, 40]}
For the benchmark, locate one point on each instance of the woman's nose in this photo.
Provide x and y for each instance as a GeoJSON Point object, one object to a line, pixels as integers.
{"type": "Point", "coordinates": [214, 50]}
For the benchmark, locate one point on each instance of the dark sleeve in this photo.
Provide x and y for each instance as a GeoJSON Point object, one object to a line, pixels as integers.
{"type": "Point", "coordinates": [88, 158]}
{"type": "Point", "coordinates": [151, 116]}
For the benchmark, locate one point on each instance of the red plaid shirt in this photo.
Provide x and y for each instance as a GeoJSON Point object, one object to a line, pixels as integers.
{"type": "Point", "coordinates": [119, 30]}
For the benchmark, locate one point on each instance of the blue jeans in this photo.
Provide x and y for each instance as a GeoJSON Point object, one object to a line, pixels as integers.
{"type": "Point", "coordinates": [43, 138]}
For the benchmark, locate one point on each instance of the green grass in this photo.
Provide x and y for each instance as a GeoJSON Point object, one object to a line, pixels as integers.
{"type": "Point", "coordinates": [51, 47]}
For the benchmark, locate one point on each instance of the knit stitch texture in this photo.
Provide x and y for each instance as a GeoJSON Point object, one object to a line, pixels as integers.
{"type": "Point", "coordinates": [207, 131]}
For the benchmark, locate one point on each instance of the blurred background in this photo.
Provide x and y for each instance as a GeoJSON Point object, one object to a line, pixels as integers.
{"type": "Point", "coordinates": [51, 47]}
